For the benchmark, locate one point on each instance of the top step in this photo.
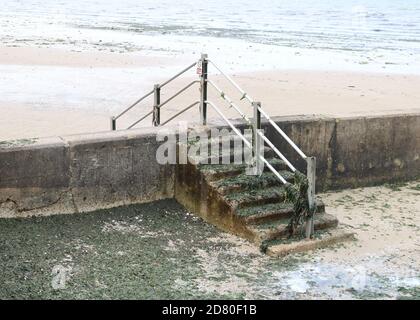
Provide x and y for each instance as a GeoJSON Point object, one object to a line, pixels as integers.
{"type": "Point", "coordinates": [214, 172]}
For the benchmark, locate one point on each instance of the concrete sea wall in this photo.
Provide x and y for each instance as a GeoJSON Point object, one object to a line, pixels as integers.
{"type": "Point", "coordinates": [355, 152]}
{"type": "Point", "coordinates": [82, 173]}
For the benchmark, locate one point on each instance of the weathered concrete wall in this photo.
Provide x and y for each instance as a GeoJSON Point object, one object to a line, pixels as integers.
{"type": "Point", "coordinates": [81, 173]}
{"type": "Point", "coordinates": [86, 172]}
{"type": "Point", "coordinates": [357, 151]}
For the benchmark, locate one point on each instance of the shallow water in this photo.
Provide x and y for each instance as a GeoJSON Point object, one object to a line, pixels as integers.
{"type": "Point", "coordinates": [369, 34]}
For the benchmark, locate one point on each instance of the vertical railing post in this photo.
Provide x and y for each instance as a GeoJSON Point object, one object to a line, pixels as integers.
{"type": "Point", "coordinates": [113, 124]}
{"type": "Point", "coordinates": [156, 105]}
{"type": "Point", "coordinates": [311, 175]}
{"type": "Point", "coordinates": [203, 88]}
{"type": "Point", "coordinates": [256, 140]}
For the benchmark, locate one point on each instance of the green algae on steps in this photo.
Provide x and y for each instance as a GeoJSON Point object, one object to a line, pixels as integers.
{"type": "Point", "coordinates": [272, 193]}
{"type": "Point", "coordinates": [249, 182]}
{"type": "Point", "coordinates": [273, 224]}
{"type": "Point", "coordinates": [222, 168]}
{"type": "Point", "coordinates": [270, 207]}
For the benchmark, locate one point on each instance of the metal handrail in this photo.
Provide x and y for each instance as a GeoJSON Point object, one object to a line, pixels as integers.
{"type": "Point", "coordinates": [178, 74]}
{"type": "Point", "coordinates": [245, 95]}
{"type": "Point", "coordinates": [134, 104]}
{"type": "Point", "coordinates": [285, 136]}
{"type": "Point", "coordinates": [178, 93]}
{"type": "Point", "coordinates": [142, 118]}
{"type": "Point", "coordinates": [231, 104]}
{"type": "Point", "coordinates": [180, 112]}
{"type": "Point", "coordinates": [277, 151]}
{"type": "Point", "coordinates": [256, 124]}
{"type": "Point", "coordinates": [151, 92]}
{"type": "Point", "coordinates": [247, 143]}
{"type": "Point", "coordinates": [165, 102]}
{"type": "Point", "coordinates": [273, 147]}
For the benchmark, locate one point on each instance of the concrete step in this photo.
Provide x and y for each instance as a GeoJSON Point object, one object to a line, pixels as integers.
{"type": "Point", "coordinates": [226, 155]}
{"type": "Point", "coordinates": [271, 211]}
{"type": "Point", "coordinates": [321, 239]}
{"type": "Point", "coordinates": [215, 172]}
{"type": "Point", "coordinates": [248, 198]}
{"type": "Point", "coordinates": [266, 212]}
{"type": "Point", "coordinates": [229, 141]}
{"type": "Point", "coordinates": [277, 229]}
{"type": "Point", "coordinates": [244, 182]}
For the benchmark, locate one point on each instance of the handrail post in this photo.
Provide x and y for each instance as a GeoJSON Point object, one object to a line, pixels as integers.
{"type": "Point", "coordinates": [256, 140]}
{"type": "Point", "coordinates": [203, 88]}
{"type": "Point", "coordinates": [311, 175]}
{"type": "Point", "coordinates": [156, 105]}
{"type": "Point", "coordinates": [113, 124]}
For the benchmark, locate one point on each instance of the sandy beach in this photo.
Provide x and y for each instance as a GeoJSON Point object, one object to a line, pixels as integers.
{"type": "Point", "coordinates": [48, 91]}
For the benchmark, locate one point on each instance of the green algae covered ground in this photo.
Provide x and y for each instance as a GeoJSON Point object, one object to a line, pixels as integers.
{"type": "Point", "coordinates": [161, 251]}
{"type": "Point", "coordinates": [144, 251]}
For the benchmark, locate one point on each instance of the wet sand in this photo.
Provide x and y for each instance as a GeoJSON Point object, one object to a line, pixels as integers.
{"type": "Point", "coordinates": [49, 92]}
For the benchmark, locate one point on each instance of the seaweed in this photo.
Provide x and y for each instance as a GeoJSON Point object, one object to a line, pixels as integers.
{"type": "Point", "coordinates": [296, 193]}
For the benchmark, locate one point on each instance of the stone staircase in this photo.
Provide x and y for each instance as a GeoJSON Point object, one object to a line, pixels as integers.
{"type": "Point", "coordinates": [252, 207]}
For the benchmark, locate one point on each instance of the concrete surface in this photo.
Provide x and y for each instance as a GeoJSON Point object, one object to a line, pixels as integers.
{"type": "Point", "coordinates": [354, 152]}
{"type": "Point", "coordinates": [81, 173]}
{"type": "Point", "coordinates": [87, 172]}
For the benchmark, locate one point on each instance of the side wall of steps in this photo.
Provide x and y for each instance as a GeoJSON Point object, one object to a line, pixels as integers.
{"type": "Point", "coordinates": [193, 192]}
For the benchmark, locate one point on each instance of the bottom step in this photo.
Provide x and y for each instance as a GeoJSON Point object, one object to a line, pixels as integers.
{"type": "Point", "coordinates": [322, 239]}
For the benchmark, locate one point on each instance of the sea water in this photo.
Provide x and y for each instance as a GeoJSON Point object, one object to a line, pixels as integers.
{"type": "Point", "coordinates": [370, 35]}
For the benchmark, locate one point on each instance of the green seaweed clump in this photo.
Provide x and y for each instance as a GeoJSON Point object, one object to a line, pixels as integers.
{"type": "Point", "coordinates": [297, 194]}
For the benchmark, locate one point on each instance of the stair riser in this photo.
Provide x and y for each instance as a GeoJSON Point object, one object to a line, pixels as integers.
{"type": "Point", "coordinates": [220, 175]}
{"type": "Point", "coordinates": [333, 237]}
{"type": "Point", "coordinates": [283, 233]}
{"type": "Point", "coordinates": [192, 191]}
{"type": "Point", "coordinates": [256, 202]}
{"type": "Point", "coordinates": [276, 215]}
{"type": "Point", "coordinates": [269, 216]}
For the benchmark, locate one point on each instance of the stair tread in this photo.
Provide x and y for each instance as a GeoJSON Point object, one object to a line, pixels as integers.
{"type": "Point", "coordinates": [278, 228]}
{"type": "Point", "coordinates": [222, 171]}
{"type": "Point", "coordinates": [258, 196]}
{"type": "Point", "coordinates": [251, 182]}
{"type": "Point", "coordinates": [318, 218]}
{"type": "Point", "coordinates": [322, 238]}
{"type": "Point", "coordinates": [267, 208]}
{"type": "Point", "coordinates": [227, 152]}
{"type": "Point", "coordinates": [254, 214]}
{"type": "Point", "coordinates": [232, 166]}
